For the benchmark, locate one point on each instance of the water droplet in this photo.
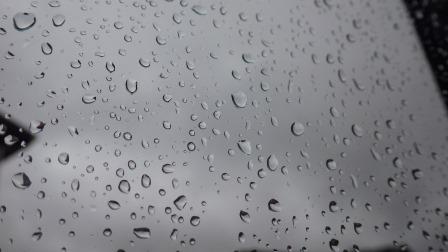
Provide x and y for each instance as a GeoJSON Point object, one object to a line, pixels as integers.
{"type": "Point", "coordinates": [110, 66]}
{"type": "Point", "coordinates": [124, 186]}
{"type": "Point", "coordinates": [168, 168]}
{"type": "Point", "coordinates": [297, 128]}
{"type": "Point", "coordinates": [114, 205]}
{"type": "Point", "coordinates": [273, 162]}
{"type": "Point", "coordinates": [161, 40]}
{"type": "Point", "coordinates": [245, 146]}
{"type": "Point", "coordinates": [146, 181]}
{"type": "Point", "coordinates": [36, 126]}
{"type": "Point", "coordinates": [331, 164]}
{"type": "Point", "coordinates": [144, 62]}
{"type": "Point", "coordinates": [142, 233]}
{"type": "Point", "coordinates": [334, 245]}
{"type": "Point", "coordinates": [131, 86]}
{"type": "Point", "coordinates": [274, 205]}
{"type": "Point", "coordinates": [46, 48]}
{"type": "Point", "coordinates": [199, 9]}
{"type": "Point", "coordinates": [357, 130]}
{"type": "Point", "coordinates": [24, 20]}
{"type": "Point", "coordinates": [239, 99]}
{"type": "Point", "coordinates": [21, 180]}
{"type": "Point", "coordinates": [195, 220]}
{"type": "Point", "coordinates": [180, 202]}
{"type": "Point", "coordinates": [248, 58]}
{"type": "Point", "coordinates": [88, 99]}
{"type": "Point", "coordinates": [75, 185]}
{"type": "Point", "coordinates": [63, 158]}
{"type": "Point", "coordinates": [58, 20]}
{"type": "Point", "coordinates": [244, 216]}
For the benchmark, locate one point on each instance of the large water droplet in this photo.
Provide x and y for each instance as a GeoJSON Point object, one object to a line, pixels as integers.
{"type": "Point", "coordinates": [274, 205]}
{"type": "Point", "coordinates": [199, 9]}
{"type": "Point", "coordinates": [58, 20]}
{"type": "Point", "coordinates": [21, 180]}
{"type": "Point", "coordinates": [63, 158]}
{"type": "Point", "coordinates": [46, 48]}
{"type": "Point", "coordinates": [239, 99]}
{"type": "Point", "coordinates": [124, 186]}
{"type": "Point", "coordinates": [142, 232]}
{"type": "Point", "coordinates": [195, 220]}
{"type": "Point", "coordinates": [273, 162]}
{"type": "Point", "coordinates": [131, 86]}
{"type": "Point", "coordinates": [297, 128]}
{"type": "Point", "coordinates": [244, 216]}
{"type": "Point", "coordinates": [24, 20]}
{"type": "Point", "coordinates": [245, 146]}
{"type": "Point", "coordinates": [331, 164]}
{"type": "Point", "coordinates": [168, 168]}
{"type": "Point", "coordinates": [146, 181]}
{"type": "Point", "coordinates": [180, 202]}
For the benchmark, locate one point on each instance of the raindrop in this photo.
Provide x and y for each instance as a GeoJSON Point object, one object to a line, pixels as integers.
{"type": "Point", "coordinates": [273, 162]}
{"type": "Point", "coordinates": [239, 99]}
{"type": "Point", "coordinates": [357, 130]}
{"type": "Point", "coordinates": [88, 99]}
{"type": "Point", "coordinates": [46, 48]}
{"type": "Point", "coordinates": [21, 180]}
{"type": "Point", "coordinates": [142, 233]}
{"type": "Point", "coordinates": [195, 220]}
{"type": "Point", "coordinates": [331, 164]}
{"type": "Point", "coordinates": [63, 158]}
{"type": "Point", "coordinates": [114, 205]}
{"type": "Point", "coordinates": [124, 186]}
{"type": "Point", "coordinates": [180, 202]}
{"type": "Point", "coordinates": [131, 86]}
{"type": "Point", "coordinates": [36, 126]}
{"type": "Point", "coordinates": [168, 168]}
{"type": "Point", "coordinates": [297, 128]}
{"type": "Point", "coordinates": [245, 146]}
{"type": "Point", "coordinates": [58, 20]}
{"type": "Point", "coordinates": [199, 9]}
{"type": "Point", "coordinates": [244, 216]}
{"type": "Point", "coordinates": [274, 205]}
{"type": "Point", "coordinates": [146, 181]}
{"type": "Point", "coordinates": [24, 20]}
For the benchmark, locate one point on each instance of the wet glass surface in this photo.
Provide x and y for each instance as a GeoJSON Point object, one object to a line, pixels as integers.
{"type": "Point", "coordinates": [218, 126]}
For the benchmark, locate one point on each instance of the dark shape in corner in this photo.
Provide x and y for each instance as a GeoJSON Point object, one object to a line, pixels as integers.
{"type": "Point", "coordinates": [431, 23]}
{"type": "Point", "coordinates": [12, 138]}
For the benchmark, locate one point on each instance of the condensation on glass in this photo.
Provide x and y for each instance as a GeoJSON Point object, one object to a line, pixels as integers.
{"type": "Point", "coordinates": [218, 126]}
